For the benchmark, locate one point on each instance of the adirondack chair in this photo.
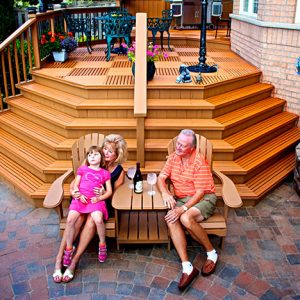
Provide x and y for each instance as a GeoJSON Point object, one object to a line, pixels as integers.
{"type": "Point", "coordinates": [216, 224]}
{"type": "Point", "coordinates": [55, 195]}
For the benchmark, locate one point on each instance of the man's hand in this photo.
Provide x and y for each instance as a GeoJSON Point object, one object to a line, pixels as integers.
{"type": "Point", "coordinates": [168, 200]}
{"type": "Point", "coordinates": [174, 214]}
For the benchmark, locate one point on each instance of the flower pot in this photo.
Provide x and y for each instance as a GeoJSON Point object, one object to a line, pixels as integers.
{"type": "Point", "coordinates": [150, 70]}
{"type": "Point", "coordinates": [60, 56]}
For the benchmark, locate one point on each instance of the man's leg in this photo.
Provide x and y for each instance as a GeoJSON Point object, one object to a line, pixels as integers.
{"type": "Point", "coordinates": [190, 221]}
{"type": "Point", "coordinates": [179, 240]}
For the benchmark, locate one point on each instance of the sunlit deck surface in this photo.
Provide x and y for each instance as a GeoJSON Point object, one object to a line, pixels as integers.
{"type": "Point", "coordinates": [93, 70]}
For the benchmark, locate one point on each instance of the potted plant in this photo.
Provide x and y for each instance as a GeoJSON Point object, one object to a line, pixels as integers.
{"type": "Point", "coordinates": [154, 53]}
{"type": "Point", "coordinates": [59, 44]}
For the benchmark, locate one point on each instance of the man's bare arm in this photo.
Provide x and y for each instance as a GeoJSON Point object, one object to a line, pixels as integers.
{"type": "Point", "coordinates": [166, 194]}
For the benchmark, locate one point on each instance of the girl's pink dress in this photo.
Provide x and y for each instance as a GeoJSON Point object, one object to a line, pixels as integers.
{"type": "Point", "coordinates": [89, 180]}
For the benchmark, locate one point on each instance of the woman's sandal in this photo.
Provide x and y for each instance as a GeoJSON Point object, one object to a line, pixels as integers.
{"type": "Point", "coordinates": [57, 276]}
{"type": "Point", "coordinates": [68, 276]}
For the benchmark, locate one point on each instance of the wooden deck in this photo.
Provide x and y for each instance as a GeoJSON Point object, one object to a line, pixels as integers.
{"type": "Point", "coordinates": [92, 70]}
{"type": "Point", "coordinates": [253, 136]}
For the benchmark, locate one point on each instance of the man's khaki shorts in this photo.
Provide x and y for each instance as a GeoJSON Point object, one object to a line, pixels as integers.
{"type": "Point", "coordinates": [206, 206]}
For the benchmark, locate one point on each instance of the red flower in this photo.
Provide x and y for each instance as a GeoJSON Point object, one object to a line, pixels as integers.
{"type": "Point", "coordinates": [61, 37]}
{"type": "Point", "coordinates": [49, 33]}
{"type": "Point", "coordinates": [70, 34]}
{"type": "Point", "coordinates": [52, 40]}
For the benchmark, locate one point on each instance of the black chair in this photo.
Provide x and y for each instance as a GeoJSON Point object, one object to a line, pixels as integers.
{"type": "Point", "coordinates": [116, 24]}
{"type": "Point", "coordinates": [81, 25]}
{"type": "Point", "coordinates": [227, 21]}
{"type": "Point", "coordinates": [161, 25]}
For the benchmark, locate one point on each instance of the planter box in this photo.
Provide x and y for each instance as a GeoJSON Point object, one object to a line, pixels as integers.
{"type": "Point", "coordinates": [60, 56]}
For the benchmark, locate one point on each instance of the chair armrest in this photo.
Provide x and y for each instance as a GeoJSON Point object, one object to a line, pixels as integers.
{"type": "Point", "coordinates": [230, 195]}
{"type": "Point", "coordinates": [55, 194]}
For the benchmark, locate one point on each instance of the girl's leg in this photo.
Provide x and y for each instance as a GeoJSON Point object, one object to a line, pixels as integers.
{"type": "Point", "coordinates": [86, 236]}
{"type": "Point", "coordinates": [62, 247]}
{"type": "Point", "coordinates": [98, 219]}
{"type": "Point", "coordinates": [70, 228]}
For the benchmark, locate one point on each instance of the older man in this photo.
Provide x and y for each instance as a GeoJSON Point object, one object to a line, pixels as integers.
{"type": "Point", "coordinates": [194, 201]}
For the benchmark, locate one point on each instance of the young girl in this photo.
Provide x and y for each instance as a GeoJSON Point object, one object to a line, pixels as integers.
{"type": "Point", "coordinates": [88, 178]}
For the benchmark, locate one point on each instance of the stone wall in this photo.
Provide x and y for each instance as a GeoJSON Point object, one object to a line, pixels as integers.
{"type": "Point", "coordinates": [272, 43]}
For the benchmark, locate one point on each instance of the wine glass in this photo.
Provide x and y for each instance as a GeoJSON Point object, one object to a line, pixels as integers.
{"type": "Point", "coordinates": [151, 179]}
{"type": "Point", "coordinates": [130, 173]}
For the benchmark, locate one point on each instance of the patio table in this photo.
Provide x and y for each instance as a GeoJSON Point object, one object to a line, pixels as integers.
{"type": "Point", "coordinates": [140, 217]}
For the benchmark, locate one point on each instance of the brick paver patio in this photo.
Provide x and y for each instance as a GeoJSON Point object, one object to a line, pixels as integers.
{"type": "Point", "coordinates": [260, 260]}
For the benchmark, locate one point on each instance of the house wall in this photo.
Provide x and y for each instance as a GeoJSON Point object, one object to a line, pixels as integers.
{"type": "Point", "coordinates": [272, 43]}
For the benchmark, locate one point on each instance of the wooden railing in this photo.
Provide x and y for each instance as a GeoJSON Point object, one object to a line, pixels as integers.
{"type": "Point", "coordinates": [140, 84]}
{"type": "Point", "coordinates": [21, 51]}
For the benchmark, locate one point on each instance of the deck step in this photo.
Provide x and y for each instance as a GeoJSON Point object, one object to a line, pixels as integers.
{"type": "Point", "coordinates": [270, 177]}
{"type": "Point", "coordinates": [18, 176]}
{"type": "Point", "coordinates": [30, 157]}
{"type": "Point", "coordinates": [269, 150]}
{"type": "Point", "coordinates": [255, 135]}
{"type": "Point", "coordinates": [60, 120]}
{"type": "Point", "coordinates": [73, 101]}
{"type": "Point", "coordinates": [249, 115]}
{"type": "Point", "coordinates": [241, 97]}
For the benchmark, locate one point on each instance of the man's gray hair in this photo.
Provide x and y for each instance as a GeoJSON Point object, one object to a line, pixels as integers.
{"type": "Point", "coordinates": [190, 132]}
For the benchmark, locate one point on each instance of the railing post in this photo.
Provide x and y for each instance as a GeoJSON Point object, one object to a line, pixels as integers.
{"type": "Point", "coordinates": [140, 84]}
{"type": "Point", "coordinates": [35, 45]}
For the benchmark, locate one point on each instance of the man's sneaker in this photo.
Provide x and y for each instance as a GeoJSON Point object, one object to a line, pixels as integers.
{"type": "Point", "coordinates": [102, 255]}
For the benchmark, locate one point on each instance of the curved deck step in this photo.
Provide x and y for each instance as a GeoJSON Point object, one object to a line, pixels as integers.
{"type": "Point", "coordinates": [31, 130]}
{"type": "Point", "coordinates": [65, 121]}
{"type": "Point", "coordinates": [255, 135]}
{"type": "Point", "coordinates": [270, 177]}
{"type": "Point", "coordinates": [18, 176]}
{"type": "Point", "coordinates": [72, 101]}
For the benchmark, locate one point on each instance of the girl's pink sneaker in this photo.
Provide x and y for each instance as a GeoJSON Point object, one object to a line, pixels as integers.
{"type": "Point", "coordinates": [67, 257]}
{"type": "Point", "coordinates": [102, 255]}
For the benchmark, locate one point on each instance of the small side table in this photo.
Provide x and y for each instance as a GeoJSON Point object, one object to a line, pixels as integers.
{"type": "Point", "coordinates": [140, 217]}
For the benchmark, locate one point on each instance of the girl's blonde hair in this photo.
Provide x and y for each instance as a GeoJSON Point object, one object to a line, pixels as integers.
{"type": "Point", "coordinates": [120, 146]}
{"type": "Point", "coordinates": [91, 150]}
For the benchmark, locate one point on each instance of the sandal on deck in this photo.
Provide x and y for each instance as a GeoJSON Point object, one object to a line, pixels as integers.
{"type": "Point", "coordinates": [57, 276]}
{"type": "Point", "coordinates": [68, 276]}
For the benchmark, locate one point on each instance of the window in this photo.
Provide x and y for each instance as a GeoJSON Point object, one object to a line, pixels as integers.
{"type": "Point", "coordinates": [249, 8]}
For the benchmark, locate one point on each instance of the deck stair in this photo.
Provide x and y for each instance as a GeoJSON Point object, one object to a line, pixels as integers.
{"type": "Point", "coordinates": [253, 136]}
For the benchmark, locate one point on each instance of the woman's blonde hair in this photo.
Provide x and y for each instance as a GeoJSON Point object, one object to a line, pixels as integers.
{"type": "Point", "coordinates": [91, 150]}
{"type": "Point", "coordinates": [120, 146]}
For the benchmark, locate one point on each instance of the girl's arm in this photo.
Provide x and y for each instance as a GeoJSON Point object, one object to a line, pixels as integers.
{"type": "Point", "coordinates": [120, 180]}
{"type": "Point", "coordinates": [75, 189]}
{"type": "Point", "coordinates": [106, 195]}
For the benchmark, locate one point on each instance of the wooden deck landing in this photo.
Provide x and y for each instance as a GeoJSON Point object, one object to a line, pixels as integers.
{"type": "Point", "coordinates": [92, 70]}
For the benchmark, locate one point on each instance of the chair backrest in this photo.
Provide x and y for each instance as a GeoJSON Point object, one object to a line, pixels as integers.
{"type": "Point", "coordinates": [203, 145]}
{"type": "Point", "coordinates": [81, 146]}
{"type": "Point", "coordinates": [167, 14]}
{"type": "Point", "coordinates": [117, 24]}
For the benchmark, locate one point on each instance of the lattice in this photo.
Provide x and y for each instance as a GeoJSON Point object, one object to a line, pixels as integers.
{"type": "Point", "coordinates": [94, 58]}
{"type": "Point", "coordinates": [120, 80]}
{"type": "Point", "coordinates": [88, 72]}
{"type": "Point", "coordinates": [121, 64]}
{"type": "Point", "coordinates": [167, 71]}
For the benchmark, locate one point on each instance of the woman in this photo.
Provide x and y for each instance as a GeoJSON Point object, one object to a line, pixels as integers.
{"type": "Point", "coordinates": [114, 154]}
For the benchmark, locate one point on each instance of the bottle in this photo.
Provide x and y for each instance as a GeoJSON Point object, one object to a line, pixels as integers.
{"type": "Point", "coordinates": [138, 180]}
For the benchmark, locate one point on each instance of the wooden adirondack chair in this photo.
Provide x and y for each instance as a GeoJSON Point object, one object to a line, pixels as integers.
{"type": "Point", "coordinates": [216, 224]}
{"type": "Point", "coordinates": [55, 195]}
